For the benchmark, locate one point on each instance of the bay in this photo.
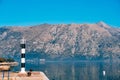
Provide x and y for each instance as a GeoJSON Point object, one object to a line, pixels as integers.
{"type": "Point", "coordinates": [77, 70]}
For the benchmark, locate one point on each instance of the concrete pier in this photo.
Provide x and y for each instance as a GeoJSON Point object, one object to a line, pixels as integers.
{"type": "Point", "coordinates": [35, 75]}
{"type": "Point", "coordinates": [5, 74]}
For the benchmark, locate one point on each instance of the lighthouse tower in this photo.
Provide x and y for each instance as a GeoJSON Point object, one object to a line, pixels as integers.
{"type": "Point", "coordinates": [22, 45]}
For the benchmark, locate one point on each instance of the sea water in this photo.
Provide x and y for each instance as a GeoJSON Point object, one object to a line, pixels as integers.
{"type": "Point", "coordinates": [77, 70]}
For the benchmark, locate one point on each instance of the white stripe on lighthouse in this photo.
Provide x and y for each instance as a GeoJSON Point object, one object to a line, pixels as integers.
{"type": "Point", "coordinates": [22, 60]}
{"type": "Point", "coordinates": [22, 69]}
{"type": "Point", "coordinates": [23, 50]}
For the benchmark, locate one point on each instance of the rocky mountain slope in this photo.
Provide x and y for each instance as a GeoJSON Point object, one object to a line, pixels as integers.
{"type": "Point", "coordinates": [62, 41]}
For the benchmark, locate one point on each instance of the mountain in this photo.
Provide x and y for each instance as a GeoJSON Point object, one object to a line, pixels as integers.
{"type": "Point", "coordinates": [62, 41]}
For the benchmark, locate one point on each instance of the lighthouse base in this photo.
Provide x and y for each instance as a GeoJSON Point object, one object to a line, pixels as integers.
{"type": "Point", "coordinates": [22, 74]}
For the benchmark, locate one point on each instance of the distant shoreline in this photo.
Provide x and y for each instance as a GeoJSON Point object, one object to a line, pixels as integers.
{"type": "Point", "coordinates": [9, 63]}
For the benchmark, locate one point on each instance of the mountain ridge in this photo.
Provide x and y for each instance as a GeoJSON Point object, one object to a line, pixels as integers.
{"type": "Point", "coordinates": [63, 41]}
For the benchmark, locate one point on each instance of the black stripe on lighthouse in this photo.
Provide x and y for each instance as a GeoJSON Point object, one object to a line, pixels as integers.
{"type": "Point", "coordinates": [22, 55]}
{"type": "Point", "coordinates": [22, 45]}
{"type": "Point", "coordinates": [22, 65]}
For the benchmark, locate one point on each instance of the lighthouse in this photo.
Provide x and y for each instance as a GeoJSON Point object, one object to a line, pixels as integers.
{"type": "Point", "coordinates": [22, 45]}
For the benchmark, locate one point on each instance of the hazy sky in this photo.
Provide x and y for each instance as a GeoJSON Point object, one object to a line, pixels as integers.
{"type": "Point", "coordinates": [30, 12]}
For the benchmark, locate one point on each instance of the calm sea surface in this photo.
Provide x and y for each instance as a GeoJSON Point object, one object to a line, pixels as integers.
{"type": "Point", "coordinates": [85, 70]}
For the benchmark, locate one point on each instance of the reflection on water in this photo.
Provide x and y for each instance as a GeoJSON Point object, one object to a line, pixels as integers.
{"type": "Point", "coordinates": [78, 70]}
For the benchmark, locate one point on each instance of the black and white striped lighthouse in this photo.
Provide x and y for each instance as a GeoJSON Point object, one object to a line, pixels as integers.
{"type": "Point", "coordinates": [22, 45]}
